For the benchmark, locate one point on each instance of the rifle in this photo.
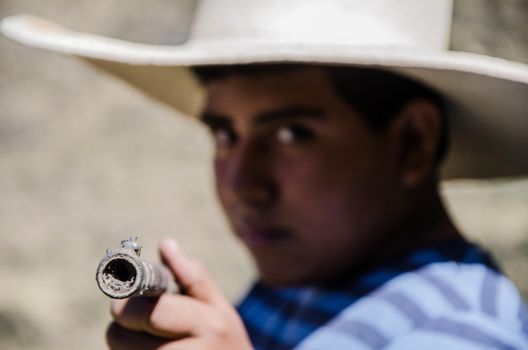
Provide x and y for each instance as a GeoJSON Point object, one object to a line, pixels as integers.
{"type": "Point", "coordinates": [122, 274]}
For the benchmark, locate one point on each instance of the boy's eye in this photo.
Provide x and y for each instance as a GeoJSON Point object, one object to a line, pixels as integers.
{"type": "Point", "coordinates": [292, 133]}
{"type": "Point", "coordinates": [223, 137]}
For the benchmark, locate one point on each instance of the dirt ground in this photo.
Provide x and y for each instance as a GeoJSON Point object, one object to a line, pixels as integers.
{"type": "Point", "coordinates": [85, 161]}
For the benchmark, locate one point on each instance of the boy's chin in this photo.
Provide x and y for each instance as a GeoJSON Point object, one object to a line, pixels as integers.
{"type": "Point", "coordinates": [300, 275]}
{"type": "Point", "coordinates": [286, 278]}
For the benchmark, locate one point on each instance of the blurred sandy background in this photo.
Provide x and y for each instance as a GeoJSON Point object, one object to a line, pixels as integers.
{"type": "Point", "coordinates": [85, 161]}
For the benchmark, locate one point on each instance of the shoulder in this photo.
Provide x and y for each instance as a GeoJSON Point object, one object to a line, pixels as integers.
{"type": "Point", "coordinates": [448, 305]}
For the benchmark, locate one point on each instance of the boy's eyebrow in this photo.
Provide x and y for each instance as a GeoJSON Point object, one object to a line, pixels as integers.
{"type": "Point", "coordinates": [288, 112]}
{"type": "Point", "coordinates": [215, 120]}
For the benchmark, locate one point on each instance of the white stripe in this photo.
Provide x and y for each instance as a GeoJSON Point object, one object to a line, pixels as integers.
{"type": "Point", "coordinates": [331, 339]}
{"type": "Point", "coordinates": [508, 302]}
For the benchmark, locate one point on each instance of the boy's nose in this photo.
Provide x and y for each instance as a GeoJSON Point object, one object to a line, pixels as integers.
{"type": "Point", "coordinates": [250, 176]}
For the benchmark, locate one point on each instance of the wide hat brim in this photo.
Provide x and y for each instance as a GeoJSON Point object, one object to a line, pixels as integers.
{"type": "Point", "coordinates": [487, 97]}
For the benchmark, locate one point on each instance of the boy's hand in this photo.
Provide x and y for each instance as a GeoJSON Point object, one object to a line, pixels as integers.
{"type": "Point", "coordinates": [200, 319]}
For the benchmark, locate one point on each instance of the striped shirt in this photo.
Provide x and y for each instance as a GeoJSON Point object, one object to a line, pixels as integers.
{"type": "Point", "coordinates": [449, 296]}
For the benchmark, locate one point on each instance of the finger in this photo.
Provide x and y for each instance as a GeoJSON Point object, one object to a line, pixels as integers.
{"type": "Point", "coordinates": [119, 338]}
{"type": "Point", "coordinates": [193, 277]}
{"type": "Point", "coordinates": [188, 344]}
{"type": "Point", "coordinates": [134, 313]}
{"type": "Point", "coordinates": [170, 316]}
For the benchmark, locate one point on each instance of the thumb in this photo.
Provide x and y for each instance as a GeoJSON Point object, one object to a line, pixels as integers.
{"type": "Point", "coordinates": [192, 276]}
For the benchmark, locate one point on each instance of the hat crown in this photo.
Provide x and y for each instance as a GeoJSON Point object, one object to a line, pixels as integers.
{"type": "Point", "coordinates": [409, 23]}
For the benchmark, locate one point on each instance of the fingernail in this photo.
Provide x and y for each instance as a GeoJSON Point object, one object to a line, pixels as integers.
{"type": "Point", "coordinates": [178, 256]}
{"type": "Point", "coordinates": [171, 244]}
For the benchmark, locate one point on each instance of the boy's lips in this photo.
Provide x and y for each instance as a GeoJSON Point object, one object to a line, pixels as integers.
{"type": "Point", "coordinates": [257, 237]}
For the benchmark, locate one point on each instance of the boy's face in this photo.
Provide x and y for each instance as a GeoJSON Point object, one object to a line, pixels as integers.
{"type": "Point", "coordinates": [305, 184]}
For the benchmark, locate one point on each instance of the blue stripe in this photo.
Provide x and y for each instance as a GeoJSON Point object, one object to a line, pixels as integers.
{"type": "Point", "coordinates": [488, 294]}
{"type": "Point", "coordinates": [466, 332]}
{"type": "Point", "coordinates": [259, 317]}
{"type": "Point", "coordinates": [406, 306]}
{"type": "Point", "coordinates": [376, 278]}
{"type": "Point", "coordinates": [273, 316]}
{"type": "Point", "coordinates": [523, 316]}
{"type": "Point", "coordinates": [476, 255]}
{"type": "Point", "coordinates": [365, 333]}
{"type": "Point", "coordinates": [339, 300]}
{"type": "Point", "coordinates": [427, 256]}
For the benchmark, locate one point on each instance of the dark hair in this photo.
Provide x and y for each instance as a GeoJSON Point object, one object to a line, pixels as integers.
{"type": "Point", "coordinates": [377, 95]}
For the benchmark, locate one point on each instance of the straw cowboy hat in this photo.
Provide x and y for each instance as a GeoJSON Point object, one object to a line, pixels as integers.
{"type": "Point", "coordinates": [487, 97]}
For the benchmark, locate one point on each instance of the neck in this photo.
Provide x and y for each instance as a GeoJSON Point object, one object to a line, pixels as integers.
{"type": "Point", "coordinates": [425, 222]}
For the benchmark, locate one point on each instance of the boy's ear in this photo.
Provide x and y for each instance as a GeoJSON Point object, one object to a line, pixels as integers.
{"type": "Point", "coordinates": [416, 135]}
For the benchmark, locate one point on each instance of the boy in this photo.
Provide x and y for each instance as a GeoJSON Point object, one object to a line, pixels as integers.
{"type": "Point", "coordinates": [335, 198]}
